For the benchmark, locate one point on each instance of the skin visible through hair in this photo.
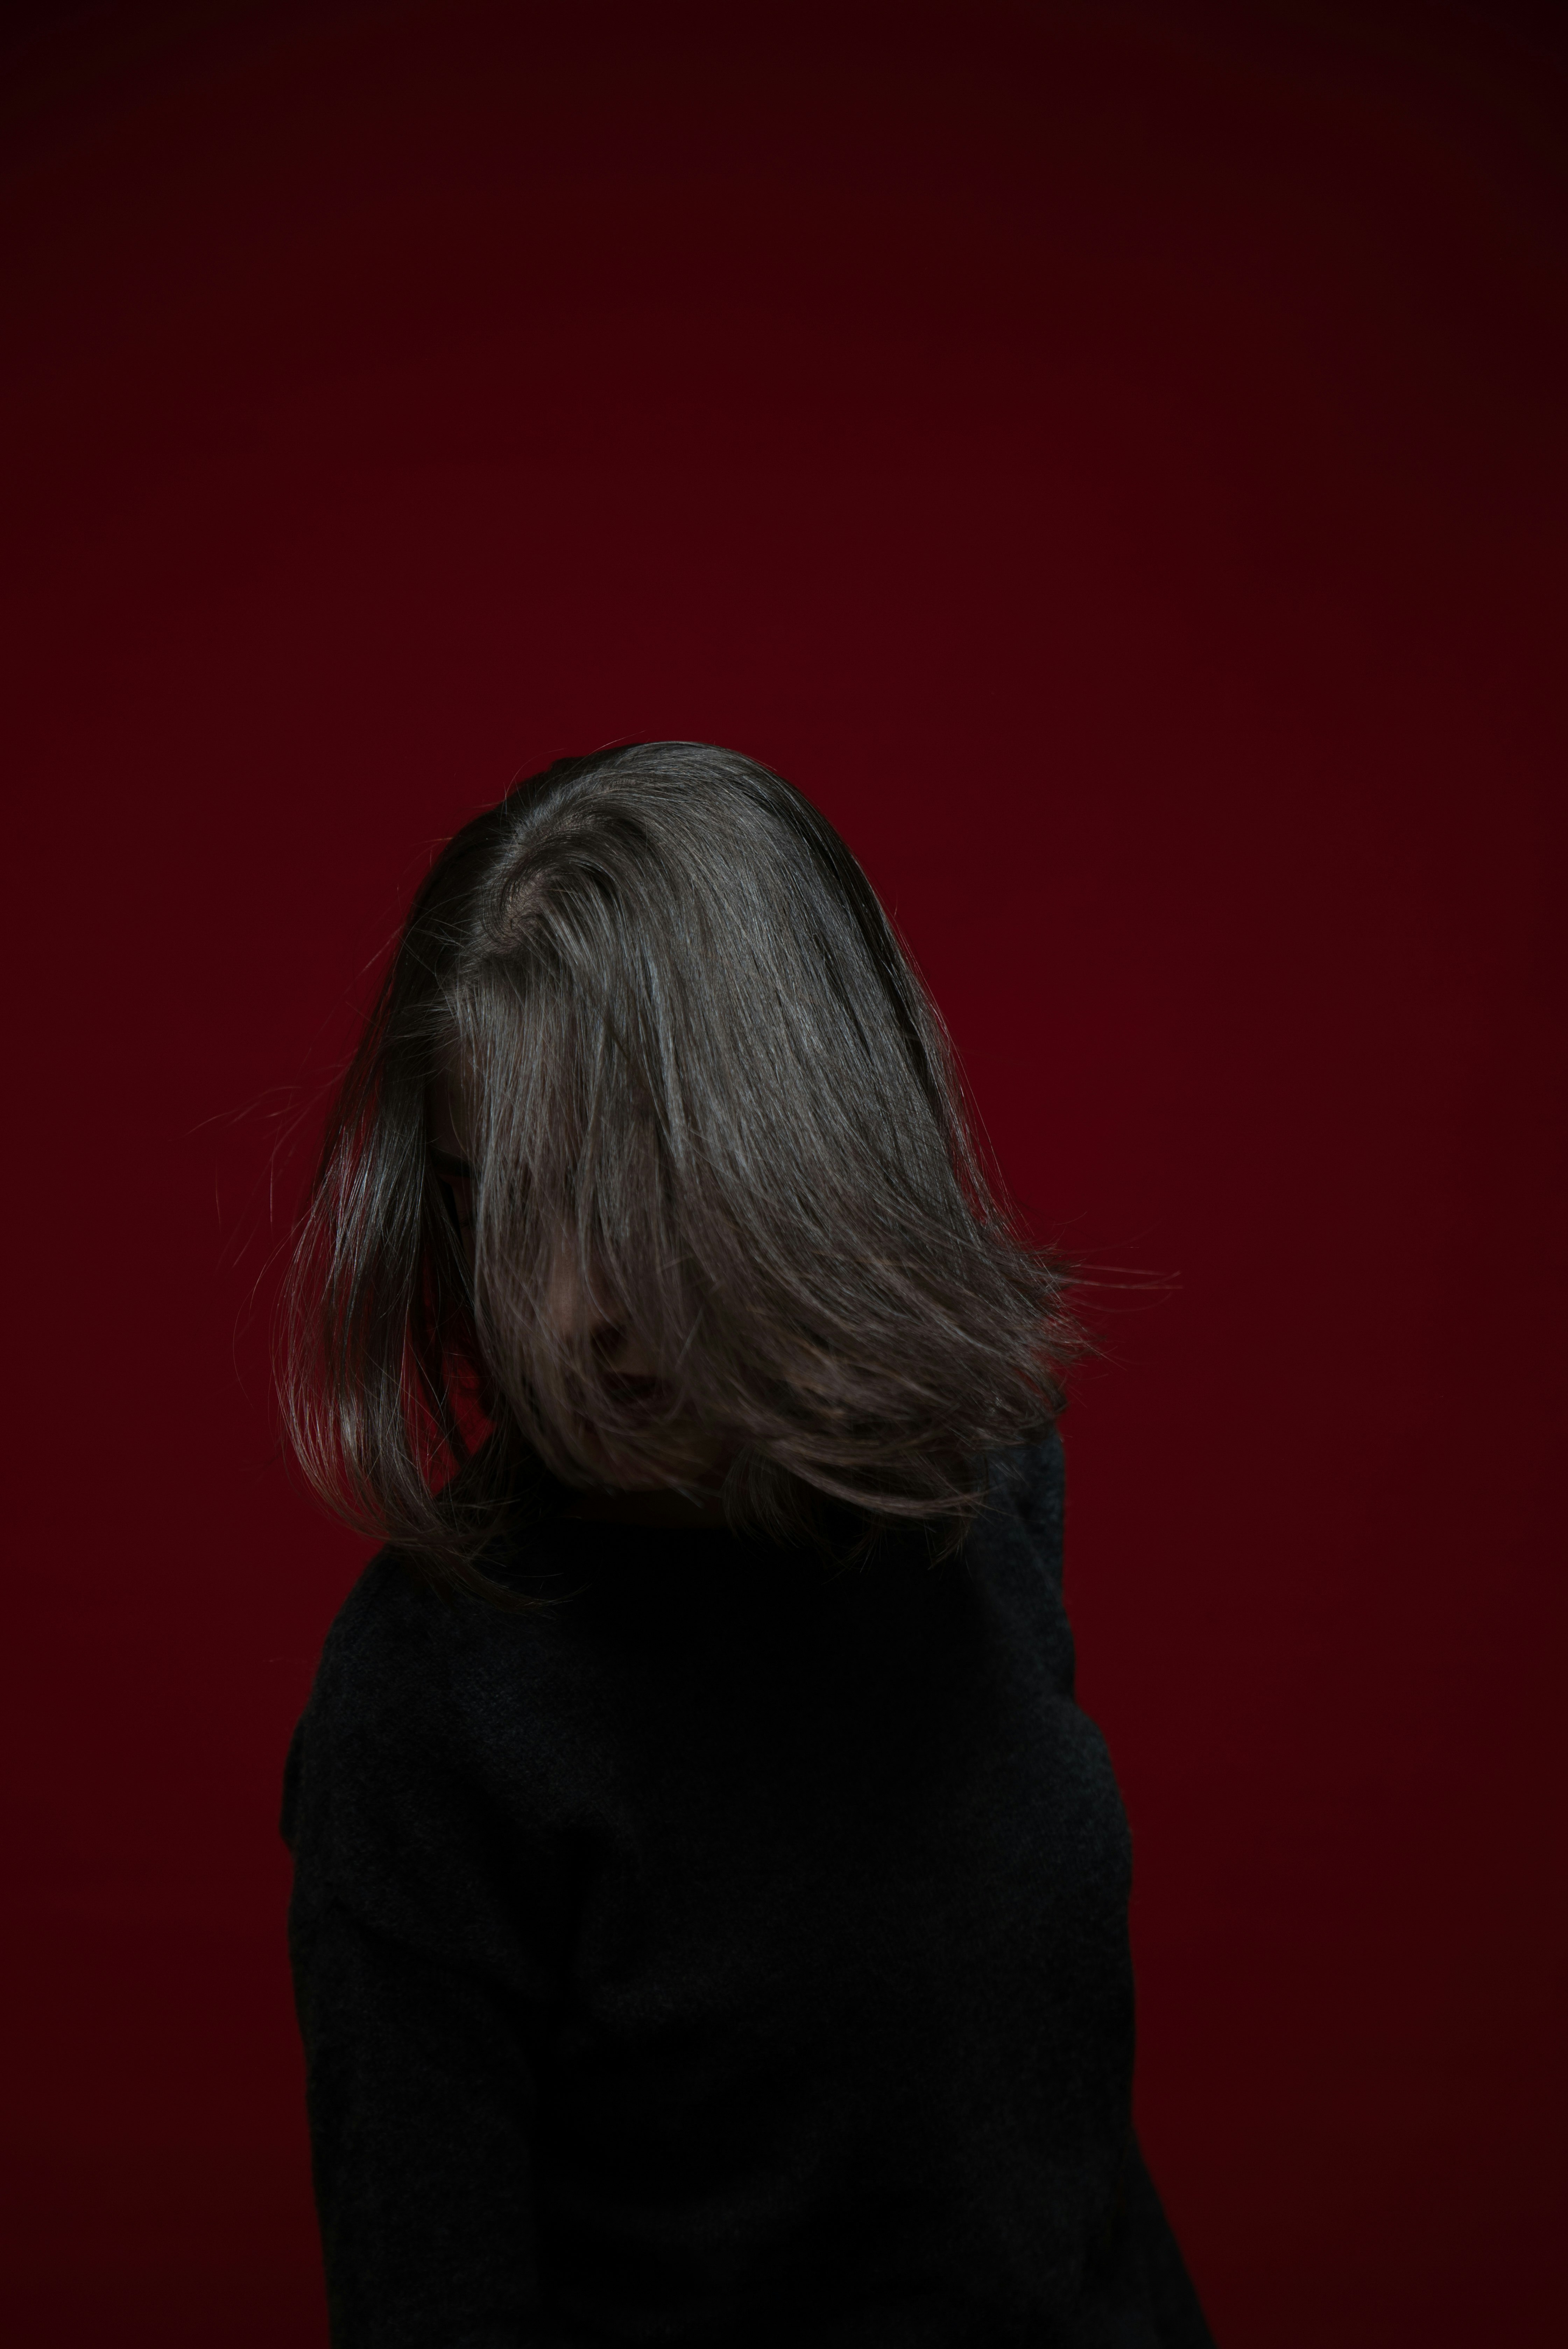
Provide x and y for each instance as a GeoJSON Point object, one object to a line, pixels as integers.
{"type": "Point", "coordinates": [683, 1487]}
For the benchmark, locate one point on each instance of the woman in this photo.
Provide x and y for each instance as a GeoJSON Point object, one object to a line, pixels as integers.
{"type": "Point", "coordinates": [710, 1914]}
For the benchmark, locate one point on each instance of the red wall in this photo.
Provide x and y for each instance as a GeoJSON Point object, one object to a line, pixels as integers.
{"type": "Point", "coordinates": [1113, 461]}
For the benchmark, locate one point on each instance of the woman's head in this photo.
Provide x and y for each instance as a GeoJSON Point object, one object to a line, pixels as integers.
{"type": "Point", "coordinates": [652, 1163]}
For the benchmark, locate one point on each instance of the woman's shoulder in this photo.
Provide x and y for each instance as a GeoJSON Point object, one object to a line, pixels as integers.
{"type": "Point", "coordinates": [425, 1746]}
{"type": "Point", "coordinates": [433, 1710]}
{"type": "Point", "coordinates": [401, 1618]}
{"type": "Point", "coordinates": [374, 1700]}
{"type": "Point", "coordinates": [390, 1643]}
{"type": "Point", "coordinates": [415, 1671]}
{"type": "Point", "coordinates": [1027, 1490]}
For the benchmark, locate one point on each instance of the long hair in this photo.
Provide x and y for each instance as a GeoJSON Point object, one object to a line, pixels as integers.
{"type": "Point", "coordinates": [696, 1066]}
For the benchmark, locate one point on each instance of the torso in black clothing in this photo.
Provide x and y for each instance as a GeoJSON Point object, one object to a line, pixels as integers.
{"type": "Point", "coordinates": [735, 1954]}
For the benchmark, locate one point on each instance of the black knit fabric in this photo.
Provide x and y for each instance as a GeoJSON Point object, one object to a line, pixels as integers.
{"type": "Point", "coordinates": [735, 1955]}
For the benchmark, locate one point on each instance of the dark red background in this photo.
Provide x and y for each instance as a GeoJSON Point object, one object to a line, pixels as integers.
{"type": "Point", "coordinates": [1113, 458]}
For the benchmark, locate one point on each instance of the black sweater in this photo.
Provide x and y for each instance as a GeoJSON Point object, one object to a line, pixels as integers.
{"type": "Point", "coordinates": [735, 1955]}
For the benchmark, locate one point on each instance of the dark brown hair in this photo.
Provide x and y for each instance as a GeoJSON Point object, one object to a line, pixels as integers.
{"type": "Point", "coordinates": [693, 1054]}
